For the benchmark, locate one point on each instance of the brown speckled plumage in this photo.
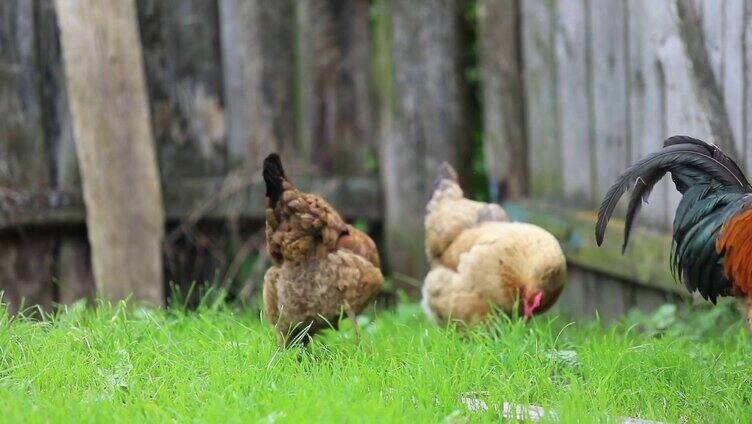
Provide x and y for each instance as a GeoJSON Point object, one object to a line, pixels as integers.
{"type": "Point", "coordinates": [323, 268]}
{"type": "Point", "coordinates": [479, 260]}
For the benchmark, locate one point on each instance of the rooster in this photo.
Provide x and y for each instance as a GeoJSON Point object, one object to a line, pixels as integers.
{"type": "Point", "coordinates": [712, 233]}
{"type": "Point", "coordinates": [480, 261]}
{"type": "Point", "coordinates": [323, 267]}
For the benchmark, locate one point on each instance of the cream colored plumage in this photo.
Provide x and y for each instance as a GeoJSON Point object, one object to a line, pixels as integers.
{"type": "Point", "coordinates": [448, 213]}
{"type": "Point", "coordinates": [479, 260]}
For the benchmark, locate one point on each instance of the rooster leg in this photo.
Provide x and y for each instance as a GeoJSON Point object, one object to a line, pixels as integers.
{"type": "Point", "coordinates": [749, 313]}
{"type": "Point", "coordinates": [354, 320]}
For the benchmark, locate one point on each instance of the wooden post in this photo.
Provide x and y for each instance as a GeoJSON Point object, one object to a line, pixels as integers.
{"type": "Point", "coordinates": [257, 57]}
{"type": "Point", "coordinates": [25, 257]}
{"type": "Point", "coordinates": [114, 144]}
{"type": "Point", "coordinates": [420, 116]}
{"type": "Point", "coordinates": [335, 109]}
{"type": "Point", "coordinates": [505, 146]}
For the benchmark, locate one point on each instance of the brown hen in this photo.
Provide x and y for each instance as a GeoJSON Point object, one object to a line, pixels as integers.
{"type": "Point", "coordinates": [479, 261]}
{"type": "Point", "coordinates": [323, 267]}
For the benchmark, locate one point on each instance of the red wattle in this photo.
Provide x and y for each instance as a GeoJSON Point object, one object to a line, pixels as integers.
{"type": "Point", "coordinates": [533, 305]}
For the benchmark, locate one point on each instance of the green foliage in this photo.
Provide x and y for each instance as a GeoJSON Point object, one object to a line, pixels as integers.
{"type": "Point", "coordinates": [371, 163]}
{"type": "Point", "coordinates": [699, 322]}
{"type": "Point", "coordinates": [479, 183]}
{"type": "Point", "coordinates": [115, 364]}
{"type": "Point", "coordinates": [361, 224]}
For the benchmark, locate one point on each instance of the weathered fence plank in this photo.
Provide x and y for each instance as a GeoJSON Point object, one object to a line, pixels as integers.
{"type": "Point", "coordinates": [706, 87]}
{"type": "Point", "coordinates": [538, 58]}
{"type": "Point", "coordinates": [426, 122]}
{"type": "Point", "coordinates": [722, 32]}
{"type": "Point", "coordinates": [573, 100]}
{"type": "Point", "coordinates": [711, 13]}
{"type": "Point", "coordinates": [25, 257]}
{"type": "Point", "coordinates": [73, 273]}
{"type": "Point", "coordinates": [747, 107]}
{"type": "Point", "coordinates": [352, 196]}
{"type": "Point", "coordinates": [504, 143]}
{"type": "Point", "coordinates": [257, 58]}
{"type": "Point", "coordinates": [732, 81]}
{"type": "Point", "coordinates": [684, 115]}
{"type": "Point", "coordinates": [592, 85]}
{"type": "Point", "coordinates": [335, 110]}
{"type": "Point", "coordinates": [114, 144]}
{"type": "Point", "coordinates": [184, 78]}
{"type": "Point", "coordinates": [23, 157]}
{"type": "Point", "coordinates": [647, 98]}
{"type": "Point", "coordinates": [610, 107]}
{"type": "Point", "coordinates": [26, 267]}
{"type": "Point", "coordinates": [645, 262]}
{"type": "Point", "coordinates": [587, 293]}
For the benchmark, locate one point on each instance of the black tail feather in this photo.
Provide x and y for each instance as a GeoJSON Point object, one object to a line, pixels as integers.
{"type": "Point", "coordinates": [715, 152]}
{"type": "Point", "coordinates": [274, 175]}
{"type": "Point", "coordinates": [640, 195]}
{"type": "Point", "coordinates": [678, 153]}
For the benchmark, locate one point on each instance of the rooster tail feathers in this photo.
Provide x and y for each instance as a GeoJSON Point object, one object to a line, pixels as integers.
{"type": "Point", "coordinates": [691, 158]}
{"type": "Point", "coordinates": [640, 194]}
{"type": "Point", "coordinates": [717, 154]}
{"type": "Point", "coordinates": [274, 175]}
{"type": "Point", "coordinates": [640, 178]}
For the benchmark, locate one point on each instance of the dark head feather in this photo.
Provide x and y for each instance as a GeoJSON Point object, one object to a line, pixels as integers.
{"type": "Point", "coordinates": [274, 175]}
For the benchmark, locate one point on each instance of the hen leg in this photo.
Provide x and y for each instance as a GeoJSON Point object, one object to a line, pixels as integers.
{"type": "Point", "coordinates": [271, 307]}
{"type": "Point", "coordinates": [354, 320]}
{"type": "Point", "coordinates": [749, 313]}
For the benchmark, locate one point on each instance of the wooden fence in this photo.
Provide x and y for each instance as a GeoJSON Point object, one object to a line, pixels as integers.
{"type": "Point", "coordinates": [605, 83]}
{"type": "Point", "coordinates": [364, 99]}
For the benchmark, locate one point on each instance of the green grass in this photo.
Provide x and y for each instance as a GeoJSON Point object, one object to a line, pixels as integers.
{"type": "Point", "coordinates": [112, 364]}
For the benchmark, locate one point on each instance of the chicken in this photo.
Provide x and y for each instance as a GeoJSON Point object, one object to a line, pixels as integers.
{"type": "Point", "coordinates": [323, 267]}
{"type": "Point", "coordinates": [480, 261]}
{"type": "Point", "coordinates": [712, 232]}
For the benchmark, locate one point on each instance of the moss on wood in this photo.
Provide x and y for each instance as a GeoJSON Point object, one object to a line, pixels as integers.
{"type": "Point", "coordinates": [645, 262]}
